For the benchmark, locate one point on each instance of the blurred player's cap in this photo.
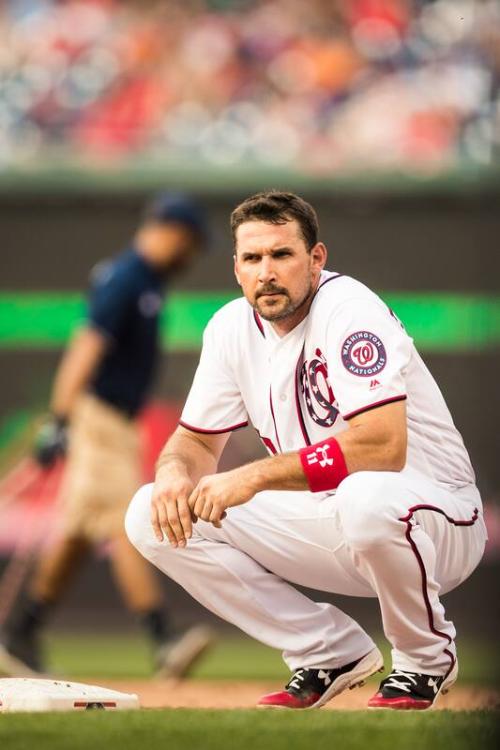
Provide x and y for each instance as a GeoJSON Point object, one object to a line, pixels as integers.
{"type": "Point", "coordinates": [179, 208]}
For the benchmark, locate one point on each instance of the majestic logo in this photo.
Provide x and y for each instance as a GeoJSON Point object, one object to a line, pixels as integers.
{"type": "Point", "coordinates": [317, 391]}
{"type": "Point", "coordinates": [363, 354]}
{"type": "Point", "coordinates": [320, 454]}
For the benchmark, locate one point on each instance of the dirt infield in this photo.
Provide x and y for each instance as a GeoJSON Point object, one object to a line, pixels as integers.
{"type": "Point", "coordinates": [230, 694]}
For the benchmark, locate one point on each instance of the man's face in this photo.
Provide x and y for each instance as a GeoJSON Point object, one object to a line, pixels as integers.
{"type": "Point", "coordinates": [172, 245]}
{"type": "Point", "coordinates": [276, 272]}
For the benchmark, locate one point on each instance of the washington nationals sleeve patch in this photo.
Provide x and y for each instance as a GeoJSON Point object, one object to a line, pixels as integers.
{"type": "Point", "coordinates": [363, 354]}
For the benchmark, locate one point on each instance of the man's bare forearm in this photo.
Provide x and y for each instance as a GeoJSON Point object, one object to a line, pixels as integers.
{"type": "Point", "coordinates": [285, 472]}
{"type": "Point", "coordinates": [184, 454]}
{"type": "Point", "coordinates": [365, 447]}
{"type": "Point", "coordinates": [77, 367]}
{"type": "Point", "coordinates": [282, 472]}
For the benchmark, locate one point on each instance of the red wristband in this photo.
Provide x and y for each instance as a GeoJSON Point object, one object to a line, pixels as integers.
{"type": "Point", "coordinates": [324, 465]}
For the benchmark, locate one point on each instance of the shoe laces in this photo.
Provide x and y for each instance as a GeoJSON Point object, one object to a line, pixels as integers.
{"type": "Point", "coordinates": [401, 680]}
{"type": "Point", "coordinates": [320, 679]}
{"type": "Point", "coordinates": [297, 679]}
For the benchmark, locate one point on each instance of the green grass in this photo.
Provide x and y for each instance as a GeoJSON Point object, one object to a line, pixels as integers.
{"type": "Point", "coordinates": [128, 656]}
{"type": "Point", "coordinates": [238, 658]}
{"type": "Point", "coordinates": [248, 730]}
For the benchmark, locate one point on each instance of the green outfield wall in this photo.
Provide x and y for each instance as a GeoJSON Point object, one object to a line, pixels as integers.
{"type": "Point", "coordinates": [437, 322]}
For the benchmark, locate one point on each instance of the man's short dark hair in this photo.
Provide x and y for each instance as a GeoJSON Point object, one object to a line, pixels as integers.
{"type": "Point", "coordinates": [277, 207]}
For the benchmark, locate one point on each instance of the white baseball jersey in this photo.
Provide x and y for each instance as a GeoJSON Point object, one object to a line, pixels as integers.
{"type": "Point", "coordinates": [350, 354]}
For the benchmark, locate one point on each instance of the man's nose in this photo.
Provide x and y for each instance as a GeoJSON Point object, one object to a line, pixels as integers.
{"type": "Point", "coordinates": [267, 271]}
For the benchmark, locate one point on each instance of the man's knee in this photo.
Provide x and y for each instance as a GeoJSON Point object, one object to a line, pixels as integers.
{"type": "Point", "coordinates": [370, 505]}
{"type": "Point", "coordinates": [138, 520]}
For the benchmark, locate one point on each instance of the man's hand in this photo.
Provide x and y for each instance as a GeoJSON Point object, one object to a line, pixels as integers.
{"type": "Point", "coordinates": [51, 441]}
{"type": "Point", "coordinates": [170, 513]}
{"type": "Point", "coordinates": [215, 493]}
{"type": "Point", "coordinates": [186, 457]}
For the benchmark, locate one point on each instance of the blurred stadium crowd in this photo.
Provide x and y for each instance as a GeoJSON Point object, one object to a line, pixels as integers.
{"type": "Point", "coordinates": [318, 85]}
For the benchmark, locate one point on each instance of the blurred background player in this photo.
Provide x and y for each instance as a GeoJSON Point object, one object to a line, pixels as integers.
{"type": "Point", "coordinates": [101, 384]}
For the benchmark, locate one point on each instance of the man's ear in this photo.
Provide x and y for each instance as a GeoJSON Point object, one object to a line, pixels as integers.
{"type": "Point", "coordinates": [319, 254]}
{"type": "Point", "coordinates": [236, 270]}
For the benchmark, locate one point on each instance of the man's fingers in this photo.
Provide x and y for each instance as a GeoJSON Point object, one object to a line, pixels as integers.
{"type": "Point", "coordinates": [155, 523]}
{"type": "Point", "coordinates": [203, 509]}
{"type": "Point", "coordinates": [175, 523]}
{"type": "Point", "coordinates": [165, 525]}
{"type": "Point", "coordinates": [198, 506]}
{"type": "Point", "coordinates": [174, 519]}
{"type": "Point", "coordinates": [171, 514]}
{"type": "Point", "coordinates": [217, 523]}
{"type": "Point", "coordinates": [170, 535]}
{"type": "Point", "coordinates": [215, 514]}
{"type": "Point", "coordinates": [185, 517]}
{"type": "Point", "coordinates": [193, 497]}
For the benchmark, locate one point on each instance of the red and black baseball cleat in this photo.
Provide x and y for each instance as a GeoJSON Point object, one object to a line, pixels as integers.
{"type": "Point", "coordinates": [411, 691]}
{"type": "Point", "coordinates": [312, 688]}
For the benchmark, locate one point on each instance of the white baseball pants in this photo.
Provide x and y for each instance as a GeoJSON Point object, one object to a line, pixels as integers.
{"type": "Point", "coordinates": [396, 536]}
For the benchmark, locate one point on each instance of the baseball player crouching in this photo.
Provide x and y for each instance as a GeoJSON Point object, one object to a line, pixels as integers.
{"type": "Point", "coordinates": [368, 489]}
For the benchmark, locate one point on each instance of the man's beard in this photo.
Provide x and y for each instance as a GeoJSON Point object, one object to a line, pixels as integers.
{"type": "Point", "coordinates": [288, 310]}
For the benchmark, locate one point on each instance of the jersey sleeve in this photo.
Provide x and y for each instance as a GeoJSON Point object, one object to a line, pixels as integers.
{"type": "Point", "coordinates": [214, 404]}
{"type": "Point", "coordinates": [109, 302]}
{"type": "Point", "coordinates": [368, 354]}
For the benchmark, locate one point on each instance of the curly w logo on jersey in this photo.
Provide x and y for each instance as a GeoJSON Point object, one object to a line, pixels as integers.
{"type": "Point", "coordinates": [317, 390]}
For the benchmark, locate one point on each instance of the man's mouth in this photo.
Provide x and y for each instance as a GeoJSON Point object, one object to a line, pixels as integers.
{"type": "Point", "coordinates": [270, 293]}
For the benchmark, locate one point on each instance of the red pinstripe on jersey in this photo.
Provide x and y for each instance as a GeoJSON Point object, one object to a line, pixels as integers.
{"type": "Point", "coordinates": [374, 406]}
{"type": "Point", "coordinates": [407, 520]}
{"type": "Point", "coordinates": [212, 432]}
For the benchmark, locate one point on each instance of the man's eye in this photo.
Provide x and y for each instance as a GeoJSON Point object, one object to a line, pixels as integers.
{"type": "Point", "coordinates": [251, 258]}
{"type": "Point", "coordinates": [282, 254]}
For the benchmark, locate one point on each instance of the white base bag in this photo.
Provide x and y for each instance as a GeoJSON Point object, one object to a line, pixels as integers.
{"type": "Point", "coordinates": [26, 694]}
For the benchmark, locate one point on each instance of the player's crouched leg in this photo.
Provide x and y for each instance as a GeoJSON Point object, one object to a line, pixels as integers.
{"type": "Point", "coordinates": [371, 504]}
{"type": "Point", "coordinates": [140, 532]}
{"type": "Point", "coordinates": [138, 523]}
{"type": "Point", "coordinates": [178, 650]}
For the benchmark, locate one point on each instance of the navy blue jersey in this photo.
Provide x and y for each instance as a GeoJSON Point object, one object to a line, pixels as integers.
{"type": "Point", "coordinates": [125, 301]}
